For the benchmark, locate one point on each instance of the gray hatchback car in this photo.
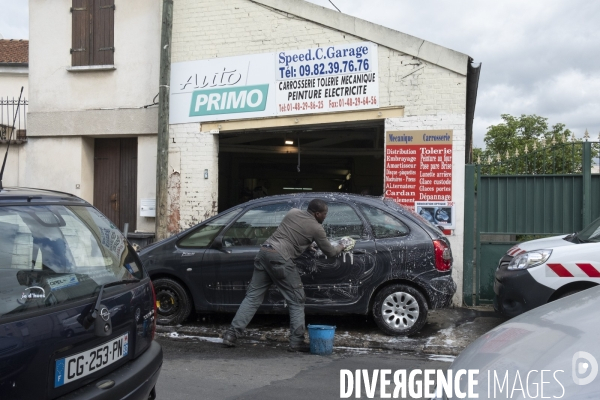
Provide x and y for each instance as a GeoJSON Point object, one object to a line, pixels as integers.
{"type": "Point", "coordinates": [400, 267]}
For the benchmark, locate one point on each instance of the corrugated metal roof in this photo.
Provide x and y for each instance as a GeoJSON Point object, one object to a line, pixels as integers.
{"type": "Point", "coordinates": [14, 51]}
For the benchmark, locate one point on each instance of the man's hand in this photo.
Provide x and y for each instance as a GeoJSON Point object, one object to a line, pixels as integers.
{"type": "Point", "coordinates": [347, 242]}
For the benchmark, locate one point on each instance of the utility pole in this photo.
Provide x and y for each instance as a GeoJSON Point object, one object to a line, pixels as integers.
{"type": "Point", "coordinates": [162, 157]}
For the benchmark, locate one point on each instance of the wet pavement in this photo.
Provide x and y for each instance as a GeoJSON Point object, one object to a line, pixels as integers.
{"type": "Point", "coordinates": [447, 332]}
{"type": "Point", "coordinates": [198, 369]}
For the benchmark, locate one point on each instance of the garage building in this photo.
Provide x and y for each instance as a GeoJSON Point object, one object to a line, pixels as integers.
{"type": "Point", "coordinates": [310, 122]}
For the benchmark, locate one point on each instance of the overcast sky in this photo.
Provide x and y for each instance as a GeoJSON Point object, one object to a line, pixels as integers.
{"type": "Point", "coordinates": [539, 56]}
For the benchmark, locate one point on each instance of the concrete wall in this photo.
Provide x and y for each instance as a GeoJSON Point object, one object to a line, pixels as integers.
{"type": "Point", "coordinates": [132, 84]}
{"type": "Point", "coordinates": [58, 164]}
{"type": "Point", "coordinates": [11, 80]}
{"type": "Point", "coordinates": [69, 109]}
{"type": "Point", "coordinates": [13, 163]}
{"type": "Point", "coordinates": [96, 103]}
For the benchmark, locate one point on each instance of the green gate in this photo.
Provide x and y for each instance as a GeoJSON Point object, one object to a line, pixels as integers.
{"type": "Point", "coordinates": [545, 192]}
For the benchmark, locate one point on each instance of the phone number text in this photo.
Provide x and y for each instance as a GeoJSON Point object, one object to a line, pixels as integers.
{"type": "Point", "coordinates": [320, 104]}
{"type": "Point", "coordinates": [319, 69]}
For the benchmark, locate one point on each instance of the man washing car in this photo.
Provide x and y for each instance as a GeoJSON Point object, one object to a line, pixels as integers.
{"type": "Point", "coordinates": [274, 264]}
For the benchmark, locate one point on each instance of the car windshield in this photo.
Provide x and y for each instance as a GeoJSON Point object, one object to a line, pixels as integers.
{"type": "Point", "coordinates": [591, 233]}
{"type": "Point", "coordinates": [51, 254]}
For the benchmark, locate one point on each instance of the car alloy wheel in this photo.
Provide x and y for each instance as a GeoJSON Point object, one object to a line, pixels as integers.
{"type": "Point", "coordinates": [400, 310]}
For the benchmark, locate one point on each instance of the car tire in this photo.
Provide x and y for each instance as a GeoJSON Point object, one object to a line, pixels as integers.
{"type": "Point", "coordinates": [400, 309]}
{"type": "Point", "coordinates": [173, 301]}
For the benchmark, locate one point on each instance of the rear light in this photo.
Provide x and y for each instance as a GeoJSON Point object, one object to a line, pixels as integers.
{"type": "Point", "coordinates": [154, 307]}
{"type": "Point", "coordinates": [443, 255]}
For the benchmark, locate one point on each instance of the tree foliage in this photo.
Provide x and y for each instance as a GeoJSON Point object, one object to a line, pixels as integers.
{"type": "Point", "coordinates": [526, 144]}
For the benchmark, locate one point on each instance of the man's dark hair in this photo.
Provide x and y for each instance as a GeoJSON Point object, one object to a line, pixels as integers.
{"type": "Point", "coordinates": [317, 205]}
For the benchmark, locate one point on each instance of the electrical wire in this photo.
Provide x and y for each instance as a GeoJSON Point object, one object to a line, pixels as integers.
{"type": "Point", "coordinates": [334, 6]}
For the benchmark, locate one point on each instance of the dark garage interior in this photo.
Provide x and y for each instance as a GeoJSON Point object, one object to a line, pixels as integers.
{"type": "Point", "coordinates": [333, 158]}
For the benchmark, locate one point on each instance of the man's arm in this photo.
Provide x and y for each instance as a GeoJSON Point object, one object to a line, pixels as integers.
{"type": "Point", "coordinates": [324, 245]}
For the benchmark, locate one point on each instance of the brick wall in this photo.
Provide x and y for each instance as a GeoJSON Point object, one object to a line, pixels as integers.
{"type": "Point", "coordinates": [190, 153]}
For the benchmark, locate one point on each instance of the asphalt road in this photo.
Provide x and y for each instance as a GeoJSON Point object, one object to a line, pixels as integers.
{"type": "Point", "coordinates": [205, 370]}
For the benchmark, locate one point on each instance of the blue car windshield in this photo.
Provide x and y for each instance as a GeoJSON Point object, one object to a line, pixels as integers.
{"type": "Point", "coordinates": [51, 254]}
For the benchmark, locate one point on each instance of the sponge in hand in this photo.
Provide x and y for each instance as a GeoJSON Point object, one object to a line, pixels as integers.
{"type": "Point", "coordinates": [348, 243]}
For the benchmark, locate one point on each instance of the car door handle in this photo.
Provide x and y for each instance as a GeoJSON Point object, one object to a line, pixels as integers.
{"type": "Point", "coordinates": [187, 254]}
{"type": "Point", "coordinates": [359, 251]}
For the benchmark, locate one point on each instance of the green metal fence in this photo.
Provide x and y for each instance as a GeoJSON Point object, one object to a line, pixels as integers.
{"type": "Point", "coordinates": [543, 192]}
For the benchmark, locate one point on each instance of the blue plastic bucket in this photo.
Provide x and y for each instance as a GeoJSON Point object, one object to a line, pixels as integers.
{"type": "Point", "coordinates": [321, 339]}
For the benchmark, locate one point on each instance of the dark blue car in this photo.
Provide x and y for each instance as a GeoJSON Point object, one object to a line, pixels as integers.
{"type": "Point", "coordinates": [77, 310]}
{"type": "Point", "coordinates": [399, 268]}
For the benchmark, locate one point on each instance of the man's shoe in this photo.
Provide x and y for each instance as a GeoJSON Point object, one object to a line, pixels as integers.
{"type": "Point", "coordinates": [229, 339]}
{"type": "Point", "coordinates": [300, 347]}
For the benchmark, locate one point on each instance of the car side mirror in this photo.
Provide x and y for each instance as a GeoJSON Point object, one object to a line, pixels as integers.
{"type": "Point", "coordinates": [217, 244]}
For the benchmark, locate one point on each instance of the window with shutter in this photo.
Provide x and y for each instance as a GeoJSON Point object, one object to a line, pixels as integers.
{"type": "Point", "coordinates": [93, 32]}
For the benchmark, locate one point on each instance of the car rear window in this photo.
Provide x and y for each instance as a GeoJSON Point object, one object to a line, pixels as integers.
{"type": "Point", "coordinates": [407, 210]}
{"type": "Point", "coordinates": [52, 254]}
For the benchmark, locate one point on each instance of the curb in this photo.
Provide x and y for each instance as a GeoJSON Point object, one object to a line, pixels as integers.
{"type": "Point", "coordinates": [253, 336]}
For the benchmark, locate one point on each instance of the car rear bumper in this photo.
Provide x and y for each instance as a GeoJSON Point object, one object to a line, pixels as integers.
{"type": "Point", "coordinates": [517, 292]}
{"type": "Point", "coordinates": [134, 380]}
{"type": "Point", "coordinates": [440, 291]}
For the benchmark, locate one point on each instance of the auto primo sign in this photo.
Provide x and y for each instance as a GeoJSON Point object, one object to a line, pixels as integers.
{"type": "Point", "coordinates": [324, 79]}
{"type": "Point", "coordinates": [227, 101]}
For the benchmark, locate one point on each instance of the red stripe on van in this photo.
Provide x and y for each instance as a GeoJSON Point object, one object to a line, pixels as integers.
{"type": "Point", "coordinates": [589, 270]}
{"type": "Point", "coordinates": [560, 270]}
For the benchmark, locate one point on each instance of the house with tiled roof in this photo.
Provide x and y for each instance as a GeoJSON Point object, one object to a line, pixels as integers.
{"type": "Point", "coordinates": [14, 74]}
{"type": "Point", "coordinates": [14, 52]}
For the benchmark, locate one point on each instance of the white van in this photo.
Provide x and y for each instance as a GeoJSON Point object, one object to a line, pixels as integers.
{"type": "Point", "coordinates": [539, 271]}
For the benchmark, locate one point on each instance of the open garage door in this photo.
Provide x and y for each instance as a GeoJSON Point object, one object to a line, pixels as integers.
{"type": "Point", "coordinates": [321, 158]}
